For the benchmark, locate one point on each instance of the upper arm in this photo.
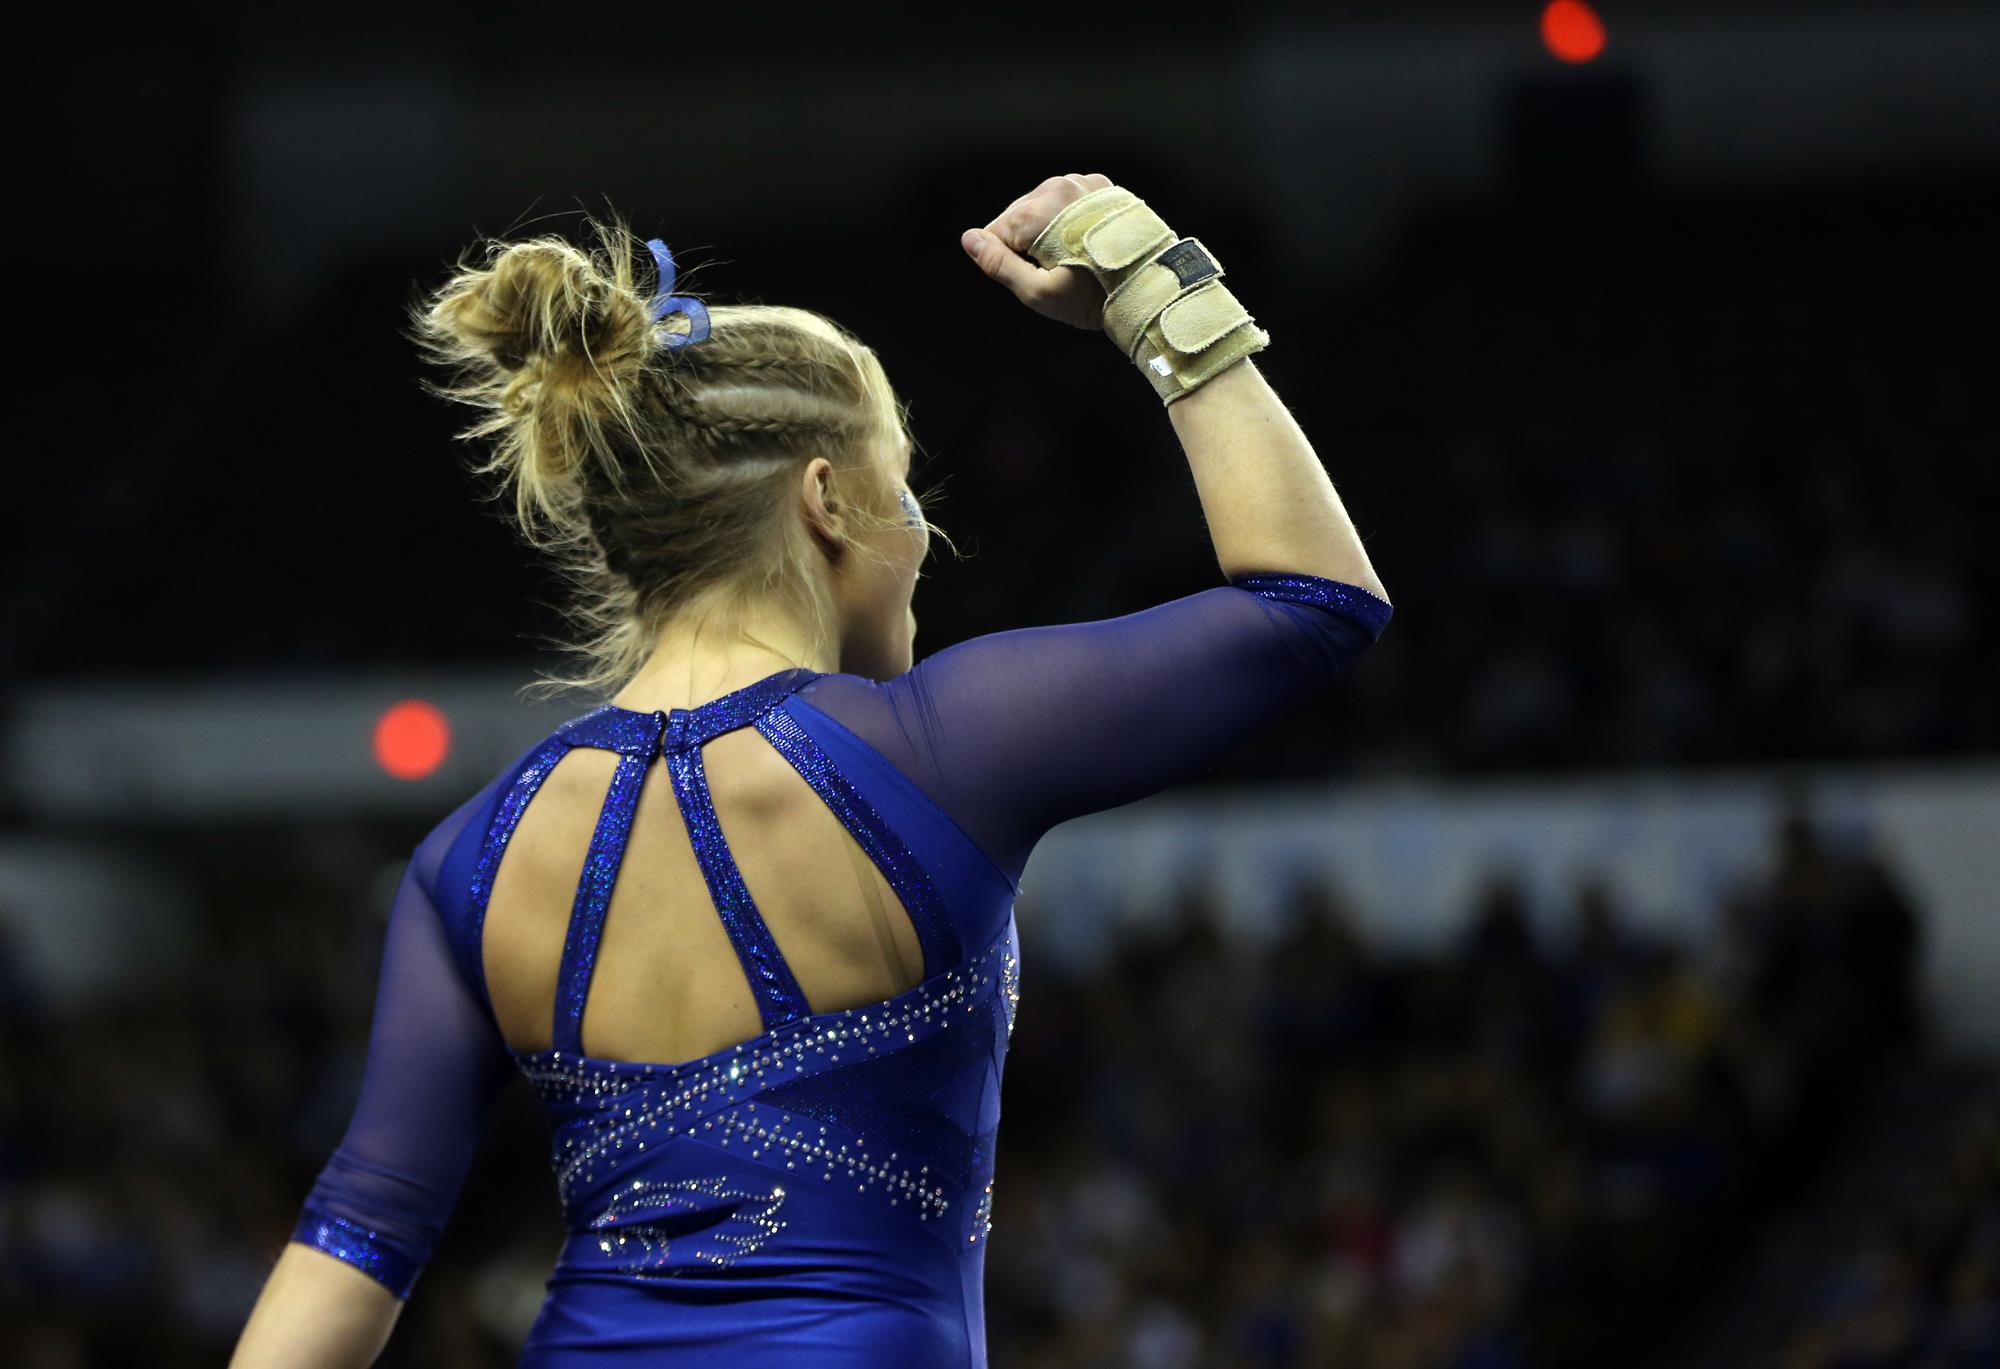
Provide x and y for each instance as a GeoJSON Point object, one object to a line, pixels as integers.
{"type": "Point", "coordinates": [435, 1065]}
{"type": "Point", "coordinates": [1014, 732]}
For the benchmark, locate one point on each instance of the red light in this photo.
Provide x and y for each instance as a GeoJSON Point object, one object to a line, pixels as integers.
{"type": "Point", "coordinates": [1572, 31]}
{"type": "Point", "coordinates": [411, 739]}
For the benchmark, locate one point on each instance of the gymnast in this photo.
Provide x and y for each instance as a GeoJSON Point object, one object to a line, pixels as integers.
{"type": "Point", "coordinates": [747, 927]}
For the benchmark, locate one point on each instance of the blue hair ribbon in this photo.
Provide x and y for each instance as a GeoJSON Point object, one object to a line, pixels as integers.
{"type": "Point", "coordinates": [666, 302]}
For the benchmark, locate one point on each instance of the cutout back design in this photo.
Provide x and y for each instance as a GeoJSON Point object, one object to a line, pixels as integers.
{"type": "Point", "coordinates": [678, 736]}
{"type": "Point", "coordinates": [779, 998]}
{"type": "Point", "coordinates": [920, 897]}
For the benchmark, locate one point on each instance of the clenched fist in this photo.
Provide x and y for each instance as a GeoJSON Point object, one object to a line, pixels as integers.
{"type": "Point", "coordinates": [1068, 294]}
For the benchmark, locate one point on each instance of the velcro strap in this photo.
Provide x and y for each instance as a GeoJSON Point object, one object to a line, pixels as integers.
{"type": "Point", "coordinates": [1194, 321]}
{"type": "Point", "coordinates": [1148, 289]}
{"type": "Point", "coordinates": [1062, 242]}
{"type": "Point", "coordinates": [1125, 236]}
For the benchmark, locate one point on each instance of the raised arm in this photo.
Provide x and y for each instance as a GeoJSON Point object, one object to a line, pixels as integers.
{"type": "Point", "coordinates": [1267, 498]}
{"type": "Point", "coordinates": [1014, 732]}
{"type": "Point", "coordinates": [435, 1065]}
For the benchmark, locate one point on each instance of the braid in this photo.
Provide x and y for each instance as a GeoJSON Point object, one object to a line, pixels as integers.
{"type": "Point", "coordinates": [788, 398]}
{"type": "Point", "coordinates": [654, 478]}
{"type": "Point", "coordinates": [732, 426]}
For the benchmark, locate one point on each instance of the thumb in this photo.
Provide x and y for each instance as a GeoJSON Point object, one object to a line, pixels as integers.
{"type": "Point", "coordinates": [1000, 261]}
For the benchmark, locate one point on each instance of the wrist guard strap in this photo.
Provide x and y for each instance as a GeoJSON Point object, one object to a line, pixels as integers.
{"type": "Point", "coordinates": [1165, 306]}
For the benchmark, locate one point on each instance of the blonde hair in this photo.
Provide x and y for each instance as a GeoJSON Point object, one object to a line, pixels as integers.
{"type": "Point", "coordinates": [653, 478]}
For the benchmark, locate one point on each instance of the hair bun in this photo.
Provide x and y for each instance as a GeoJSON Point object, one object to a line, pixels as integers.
{"type": "Point", "coordinates": [549, 340]}
{"type": "Point", "coordinates": [545, 300]}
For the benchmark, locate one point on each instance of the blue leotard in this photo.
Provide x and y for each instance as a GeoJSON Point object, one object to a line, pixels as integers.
{"type": "Point", "coordinates": [816, 1197]}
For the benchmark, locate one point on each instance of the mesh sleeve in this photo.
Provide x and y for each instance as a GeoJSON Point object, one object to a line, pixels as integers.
{"type": "Point", "coordinates": [435, 1066]}
{"type": "Point", "coordinates": [1015, 732]}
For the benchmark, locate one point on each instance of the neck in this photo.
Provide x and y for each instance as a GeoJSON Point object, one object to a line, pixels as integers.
{"type": "Point", "coordinates": [702, 654]}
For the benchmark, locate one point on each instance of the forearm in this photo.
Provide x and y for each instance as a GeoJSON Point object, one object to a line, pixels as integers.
{"type": "Point", "coordinates": [1269, 503]}
{"type": "Point", "coordinates": [316, 1312]}
{"type": "Point", "coordinates": [1102, 260]}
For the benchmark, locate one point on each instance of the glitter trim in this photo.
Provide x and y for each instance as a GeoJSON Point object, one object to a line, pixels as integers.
{"type": "Point", "coordinates": [593, 899]}
{"type": "Point", "coordinates": [689, 729]}
{"type": "Point", "coordinates": [779, 998]}
{"type": "Point", "coordinates": [911, 882]}
{"type": "Point", "coordinates": [498, 832]}
{"type": "Point", "coordinates": [355, 1244]}
{"type": "Point", "coordinates": [1349, 601]}
{"type": "Point", "coordinates": [632, 733]}
{"type": "Point", "coordinates": [609, 728]}
{"type": "Point", "coordinates": [624, 1110]}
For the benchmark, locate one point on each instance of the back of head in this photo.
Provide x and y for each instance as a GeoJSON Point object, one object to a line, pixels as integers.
{"type": "Point", "coordinates": [656, 478]}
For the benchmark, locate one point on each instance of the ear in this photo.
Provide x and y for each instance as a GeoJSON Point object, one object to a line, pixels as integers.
{"type": "Point", "coordinates": [823, 520]}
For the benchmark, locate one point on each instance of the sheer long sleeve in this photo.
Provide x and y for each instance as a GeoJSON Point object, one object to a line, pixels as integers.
{"type": "Point", "coordinates": [436, 1064]}
{"type": "Point", "coordinates": [1015, 732]}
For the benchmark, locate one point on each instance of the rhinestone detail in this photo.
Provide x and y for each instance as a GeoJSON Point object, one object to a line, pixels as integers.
{"type": "Point", "coordinates": [646, 1247]}
{"type": "Point", "coordinates": [632, 1109]}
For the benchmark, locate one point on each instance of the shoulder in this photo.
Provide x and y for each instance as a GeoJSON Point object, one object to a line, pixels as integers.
{"type": "Point", "coordinates": [445, 856]}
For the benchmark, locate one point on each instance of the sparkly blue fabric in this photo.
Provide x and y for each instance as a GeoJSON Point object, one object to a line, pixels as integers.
{"type": "Point", "coordinates": [364, 1249]}
{"type": "Point", "coordinates": [1351, 600]}
{"type": "Point", "coordinates": [615, 729]}
{"type": "Point", "coordinates": [819, 1196]}
{"type": "Point", "coordinates": [779, 999]}
{"type": "Point", "coordinates": [918, 895]}
{"type": "Point", "coordinates": [526, 783]}
{"type": "Point", "coordinates": [593, 898]}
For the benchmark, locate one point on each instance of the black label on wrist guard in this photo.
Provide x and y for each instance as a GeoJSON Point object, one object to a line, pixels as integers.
{"type": "Point", "coordinates": [1189, 263]}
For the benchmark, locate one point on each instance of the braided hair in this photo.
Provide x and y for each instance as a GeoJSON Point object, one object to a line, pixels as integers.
{"type": "Point", "coordinates": [652, 477]}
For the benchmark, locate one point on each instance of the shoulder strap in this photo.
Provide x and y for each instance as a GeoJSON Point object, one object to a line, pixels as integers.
{"type": "Point", "coordinates": [906, 875]}
{"type": "Point", "coordinates": [779, 998]}
{"type": "Point", "coordinates": [506, 816]}
{"type": "Point", "coordinates": [593, 897]}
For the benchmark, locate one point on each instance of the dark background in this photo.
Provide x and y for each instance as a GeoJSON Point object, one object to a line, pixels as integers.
{"type": "Point", "coordinates": [1656, 473]}
{"type": "Point", "coordinates": [1661, 389]}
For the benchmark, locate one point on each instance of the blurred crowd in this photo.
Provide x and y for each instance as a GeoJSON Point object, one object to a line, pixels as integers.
{"type": "Point", "coordinates": [1533, 1147]}
{"type": "Point", "coordinates": [1926, 1295]}
{"type": "Point", "coordinates": [1534, 1150]}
